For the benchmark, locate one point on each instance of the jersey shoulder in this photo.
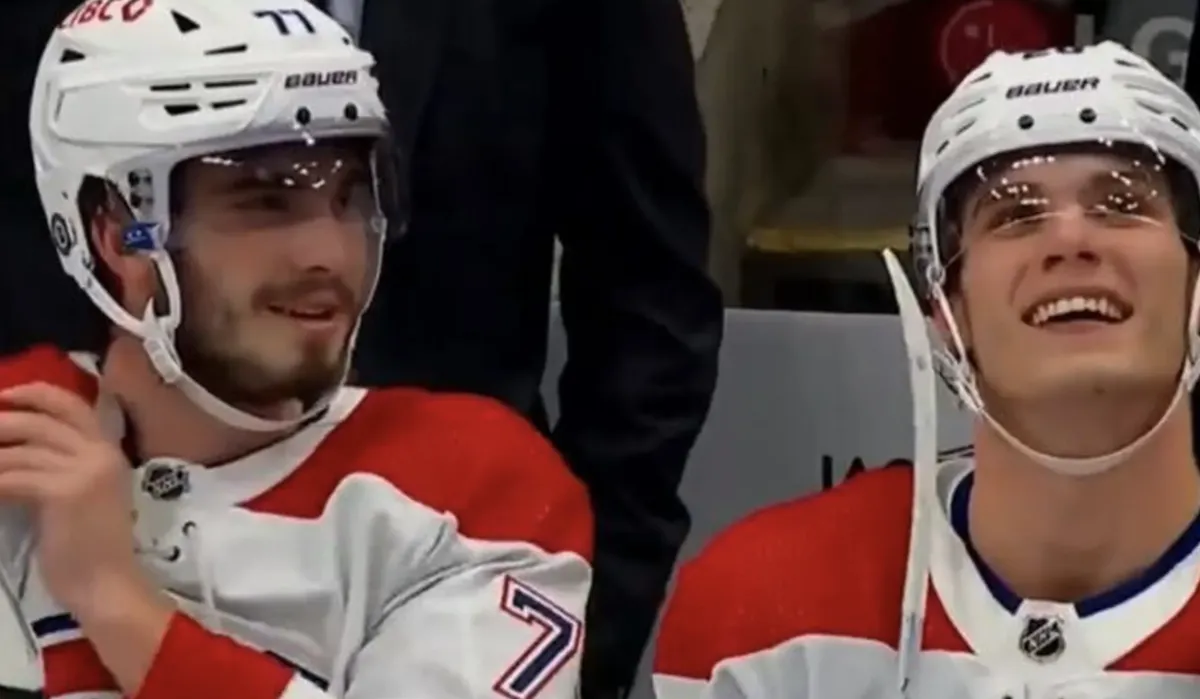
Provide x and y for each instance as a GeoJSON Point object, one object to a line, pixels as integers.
{"type": "Point", "coordinates": [470, 456]}
{"type": "Point", "coordinates": [826, 564]}
{"type": "Point", "coordinates": [50, 365]}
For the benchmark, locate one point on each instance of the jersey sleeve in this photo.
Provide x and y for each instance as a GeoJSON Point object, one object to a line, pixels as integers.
{"type": "Point", "coordinates": [18, 649]}
{"type": "Point", "coordinates": [519, 488]}
{"type": "Point", "coordinates": [724, 609]}
{"type": "Point", "coordinates": [744, 614]}
{"type": "Point", "coordinates": [500, 619]}
{"type": "Point", "coordinates": [720, 686]}
{"type": "Point", "coordinates": [698, 633]}
{"type": "Point", "coordinates": [486, 464]}
{"type": "Point", "coordinates": [504, 616]}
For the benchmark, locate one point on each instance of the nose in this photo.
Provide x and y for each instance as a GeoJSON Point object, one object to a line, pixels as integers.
{"type": "Point", "coordinates": [322, 242]}
{"type": "Point", "coordinates": [1069, 242]}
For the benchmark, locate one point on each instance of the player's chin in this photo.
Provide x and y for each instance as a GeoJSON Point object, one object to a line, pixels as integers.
{"type": "Point", "coordinates": [311, 359]}
{"type": "Point", "coordinates": [279, 356]}
{"type": "Point", "coordinates": [1097, 373]}
{"type": "Point", "coordinates": [291, 380]}
{"type": "Point", "coordinates": [296, 340]}
{"type": "Point", "coordinates": [333, 328]}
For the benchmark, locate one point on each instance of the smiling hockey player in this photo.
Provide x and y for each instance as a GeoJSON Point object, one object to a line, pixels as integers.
{"type": "Point", "coordinates": [1055, 241]}
{"type": "Point", "coordinates": [217, 178]}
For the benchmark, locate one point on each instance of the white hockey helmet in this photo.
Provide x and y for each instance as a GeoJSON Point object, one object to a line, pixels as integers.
{"type": "Point", "coordinates": [128, 89]}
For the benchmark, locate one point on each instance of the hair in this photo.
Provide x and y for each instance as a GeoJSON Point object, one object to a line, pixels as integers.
{"type": "Point", "coordinates": [95, 204]}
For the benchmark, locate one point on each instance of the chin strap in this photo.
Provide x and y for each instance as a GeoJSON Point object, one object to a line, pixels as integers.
{"type": "Point", "coordinates": [923, 380]}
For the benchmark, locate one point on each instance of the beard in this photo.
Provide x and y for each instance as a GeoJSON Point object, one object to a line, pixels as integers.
{"type": "Point", "coordinates": [220, 350]}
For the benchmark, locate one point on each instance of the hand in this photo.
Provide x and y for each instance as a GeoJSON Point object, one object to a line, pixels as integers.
{"type": "Point", "coordinates": [55, 457]}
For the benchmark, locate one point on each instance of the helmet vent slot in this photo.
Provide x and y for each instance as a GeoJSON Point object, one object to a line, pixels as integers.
{"type": "Point", "coordinates": [181, 109]}
{"type": "Point", "coordinates": [184, 23]}
{"type": "Point", "coordinates": [219, 84]}
{"type": "Point", "coordinates": [224, 50]}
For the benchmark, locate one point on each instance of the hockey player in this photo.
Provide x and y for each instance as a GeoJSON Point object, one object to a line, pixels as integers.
{"type": "Point", "coordinates": [217, 176]}
{"type": "Point", "coordinates": [1055, 241]}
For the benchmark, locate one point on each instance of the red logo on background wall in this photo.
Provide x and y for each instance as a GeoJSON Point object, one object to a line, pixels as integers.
{"type": "Point", "coordinates": [978, 27]}
{"type": "Point", "coordinates": [903, 60]}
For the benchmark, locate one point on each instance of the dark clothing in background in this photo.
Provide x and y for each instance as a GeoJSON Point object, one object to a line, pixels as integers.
{"type": "Point", "coordinates": [530, 118]}
{"type": "Point", "coordinates": [37, 302]}
{"type": "Point", "coordinates": [522, 119]}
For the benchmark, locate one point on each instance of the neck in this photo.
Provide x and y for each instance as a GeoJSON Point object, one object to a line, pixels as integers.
{"type": "Point", "coordinates": [1064, 538]}
{"type": "Point", "coordinates": [166, 422]}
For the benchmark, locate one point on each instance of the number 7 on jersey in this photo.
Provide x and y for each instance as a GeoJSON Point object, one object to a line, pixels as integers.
{"type": "Point", "coordinates": [559, 641]}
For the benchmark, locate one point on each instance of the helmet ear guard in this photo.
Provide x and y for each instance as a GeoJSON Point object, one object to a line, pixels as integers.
{"type": "Point", "coordinates": [926, 273]}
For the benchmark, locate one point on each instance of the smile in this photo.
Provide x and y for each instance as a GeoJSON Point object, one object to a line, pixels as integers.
{"type": "Point", "coordinates": [1099, 307]}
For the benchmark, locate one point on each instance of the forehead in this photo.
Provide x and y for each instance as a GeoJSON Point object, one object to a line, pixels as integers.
{"type": "Point", "coordinates": [283, 166]}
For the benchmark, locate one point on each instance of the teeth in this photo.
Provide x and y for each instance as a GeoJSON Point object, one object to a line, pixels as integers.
{"type": "Point", "coordinates": [1097, 304]}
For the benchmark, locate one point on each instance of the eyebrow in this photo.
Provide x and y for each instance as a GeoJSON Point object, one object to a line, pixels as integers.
{"type": "Point", "coordinates": [1097, 179]}
{"type": "Point", "coordinates": [250, 183]}
{"type": "Point", "coordinates": [273, 180]}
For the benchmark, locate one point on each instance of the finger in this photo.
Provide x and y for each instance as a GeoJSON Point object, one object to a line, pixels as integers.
{"type": "Point", "coordinates": [28, 457]}
{"type": "Point", "coordinates": [28, 473]}
{"type": "Point", "coordinates": [24, 427]}
{"type": "Point", "coordinates": [55, 402]}
{"type": "Point", "coordinates": [26, 486]}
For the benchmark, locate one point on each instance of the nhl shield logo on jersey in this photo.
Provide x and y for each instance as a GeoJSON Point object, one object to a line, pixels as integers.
{"type": "Point", "coordinates": [166, 480]}
{"type": "Point", "coordinates": [1042, 639]}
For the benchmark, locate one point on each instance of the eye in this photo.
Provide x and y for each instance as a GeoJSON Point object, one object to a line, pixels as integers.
{"type": "Point", "coordinates": [356, 195]}
{"type": "Point", "coordinates": [1130, 206]}
{"type": "Point", "coordinates": [268, 201]}
{"type": "Point", "coordinates": [1016, 213]}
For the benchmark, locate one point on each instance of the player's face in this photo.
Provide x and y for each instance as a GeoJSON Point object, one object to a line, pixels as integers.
{"type": "Point", "coordinates": [273, 268]}
{"type": "Point", "coordinates": [1074, 279]}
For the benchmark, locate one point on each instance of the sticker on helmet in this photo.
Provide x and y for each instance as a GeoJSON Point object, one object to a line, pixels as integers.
{"type": "Point", "coordinates": [103, 11]}
{"type": "Point", "coordinates": [62, 234]}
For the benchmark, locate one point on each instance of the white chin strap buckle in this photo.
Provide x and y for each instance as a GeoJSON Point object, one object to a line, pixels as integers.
{"type": "Point", "coordinates": [162, 357]}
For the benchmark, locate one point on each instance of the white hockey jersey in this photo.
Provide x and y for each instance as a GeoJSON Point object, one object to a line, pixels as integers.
{"type": "Point", "coordinates": [804, 600]}
{"type": "Point", "coordinates": [403, 545]}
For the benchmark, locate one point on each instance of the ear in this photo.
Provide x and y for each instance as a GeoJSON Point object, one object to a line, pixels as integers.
{"type": "Point", "coordinates": [128, 277]}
